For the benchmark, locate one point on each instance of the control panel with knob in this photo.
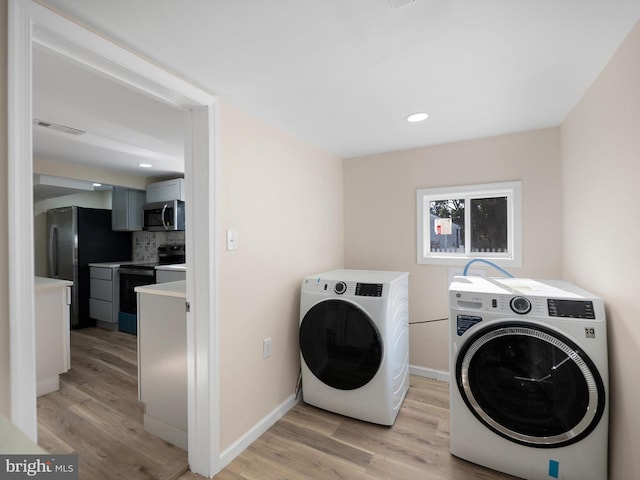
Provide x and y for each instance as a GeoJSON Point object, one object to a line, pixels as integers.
{"type": "Point", "coordinates": [520, 305]}
{"type": "Point", "coordinates": [340, 288]}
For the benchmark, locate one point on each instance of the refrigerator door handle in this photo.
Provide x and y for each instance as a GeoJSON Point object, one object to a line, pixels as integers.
{"type": "Point", "coordinates": [53, 250]}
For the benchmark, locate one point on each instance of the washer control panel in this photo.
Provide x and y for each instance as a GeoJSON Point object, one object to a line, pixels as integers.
{"type": "Point", "coordinates": [340, 288]}
{"type": "Point", "coordinates": [571, 308]}
{"type": "Point", "coordinates": [522, 305]}
{"type": "Point", "coordinates": [369, 289]}
{"type": "Point", "coordinates": [345, 288]}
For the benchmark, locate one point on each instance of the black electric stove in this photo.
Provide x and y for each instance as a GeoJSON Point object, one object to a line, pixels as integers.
{"type": "Point", "coordinates": [134, 275]}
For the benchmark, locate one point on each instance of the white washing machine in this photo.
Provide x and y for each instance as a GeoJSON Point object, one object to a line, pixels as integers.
{"type": "Point", "coordinates": [529, 377]}
{"type": "Point", "coordinates": [354, 343]}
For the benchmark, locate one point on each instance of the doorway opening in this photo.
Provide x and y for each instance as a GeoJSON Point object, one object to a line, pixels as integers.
{"type": "Point", "coordinates": [32, 24]}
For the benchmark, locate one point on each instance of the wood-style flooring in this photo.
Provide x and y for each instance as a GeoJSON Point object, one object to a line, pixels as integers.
{"type": "Point", "coordinates": [96, 414]}
{"type": "Point", "coordinates": [312, 444]}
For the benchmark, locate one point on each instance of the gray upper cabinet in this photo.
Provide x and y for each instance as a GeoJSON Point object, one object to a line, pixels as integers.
{"type": "Point", "coordinates": [127, 206]}
{"type": "Point", "coordinates": [167, 190]}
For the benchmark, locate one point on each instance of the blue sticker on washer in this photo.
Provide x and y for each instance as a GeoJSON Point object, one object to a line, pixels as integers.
{"type": "Point", "coordinates": [554, 468]}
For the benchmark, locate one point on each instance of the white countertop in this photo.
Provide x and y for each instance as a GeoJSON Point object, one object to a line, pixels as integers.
{"type": "Point", "coordinates": [43, 283]}
{"type": "Point", "coordinates": [114, 264]}
{"type": "Point", "coordinates": [169, 289]}
{"type": "Point", "coordinates": [176, 267]}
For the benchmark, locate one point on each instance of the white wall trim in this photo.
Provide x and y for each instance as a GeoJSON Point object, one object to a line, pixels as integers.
{"type": "Point", "coordinates": [29, 23]}
{"type": "Point", "coordinates": [429, 373]}
{"type": "Point", "coordinates": [258, 429]}
{"type": "Point", "coordinates": [20, 211]}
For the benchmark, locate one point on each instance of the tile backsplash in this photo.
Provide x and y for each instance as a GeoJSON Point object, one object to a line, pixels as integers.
{"type": "Point", "coordinates": [145, 244]}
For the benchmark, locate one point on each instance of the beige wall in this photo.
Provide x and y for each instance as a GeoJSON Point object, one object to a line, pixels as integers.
{"type": "Point", "coordinates": [601, 148]}
{"type": "Point", "coordinates": [380, 218]}
{"type": "Point", "coordinates": [284, 198]}
{"type": "Point", "coordinates": [5, 392]}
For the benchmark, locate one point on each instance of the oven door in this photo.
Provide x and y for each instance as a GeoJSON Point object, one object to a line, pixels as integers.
{"type": "Point", "coordinates": [130, 278]}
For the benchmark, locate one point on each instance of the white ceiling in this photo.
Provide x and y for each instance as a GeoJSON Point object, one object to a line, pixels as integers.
{"type": "Point", "coordinates": [118, 128]}
{"type": "Point", "coordinates": [344, 74]}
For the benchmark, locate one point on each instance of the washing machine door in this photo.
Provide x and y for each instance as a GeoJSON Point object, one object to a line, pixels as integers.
{"type": "Point", "coordinates": [340, 344]}
{"type": "Point", "coordinates": [530, 385]}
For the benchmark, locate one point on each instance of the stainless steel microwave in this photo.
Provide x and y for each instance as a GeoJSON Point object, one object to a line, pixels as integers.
{"type": "Point", "coordinates": [164, 216]}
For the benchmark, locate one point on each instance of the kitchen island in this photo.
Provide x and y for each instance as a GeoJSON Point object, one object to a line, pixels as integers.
{"type": "Point", "coordinates": [162, 360]}
{"type": "Point", "coordinates": [52, 324]}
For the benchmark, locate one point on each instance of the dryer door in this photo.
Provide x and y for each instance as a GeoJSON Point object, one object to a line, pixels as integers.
{"type": "Point", "coordinates": [530, 385]}
{"type": "Point", "coordinates": [340, 344]}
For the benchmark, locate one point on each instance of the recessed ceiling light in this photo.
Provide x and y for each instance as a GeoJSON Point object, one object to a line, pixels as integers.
{"type": "Point", "coordinates": [417, 117]}
{"type": "Point", "coordinates": [97, 184]}
{"type": "Point", "coordinates": [145, 165]}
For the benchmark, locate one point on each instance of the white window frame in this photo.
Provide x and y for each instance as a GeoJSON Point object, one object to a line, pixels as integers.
{"type": "Point", "coordinates": [511, 190]}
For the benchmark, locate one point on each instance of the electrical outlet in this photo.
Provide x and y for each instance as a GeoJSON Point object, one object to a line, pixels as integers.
{"type": "Point", "coordinates": [266, 348]}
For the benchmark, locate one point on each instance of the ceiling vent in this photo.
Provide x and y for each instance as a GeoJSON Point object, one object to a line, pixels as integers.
{"type": "Point", "coordinates": [58, 127]}
{"type": "Point", "coordinates": [401, 3]}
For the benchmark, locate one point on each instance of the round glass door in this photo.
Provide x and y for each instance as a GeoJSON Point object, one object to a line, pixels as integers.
{"type": "Point", "coordinates": [340, 344]}
{"type": "Point", "coordinates": [530, 385]}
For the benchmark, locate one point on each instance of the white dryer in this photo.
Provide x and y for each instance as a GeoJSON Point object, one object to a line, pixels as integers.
{"type": "Point", "coordinates": [354, 343]}
{"type": "Point", "coordinates": [529, 377]}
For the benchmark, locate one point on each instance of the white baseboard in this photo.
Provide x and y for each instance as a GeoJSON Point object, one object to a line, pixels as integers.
{"type": "Point", "coordinates": [429, 373]}
{"type": "Point", "coordinates": [258, 429]}
{"type": "Point", "coordinates": [168, 433]}
{"type": "Point", "coordinates": [227, 456]}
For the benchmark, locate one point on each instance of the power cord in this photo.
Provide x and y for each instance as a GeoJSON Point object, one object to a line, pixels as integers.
{"type": "Point", "coordinates": [430, 321]}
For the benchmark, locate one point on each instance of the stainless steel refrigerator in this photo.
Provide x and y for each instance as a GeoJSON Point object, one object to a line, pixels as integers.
{"type": "Point", "coordinates": [77, 236]}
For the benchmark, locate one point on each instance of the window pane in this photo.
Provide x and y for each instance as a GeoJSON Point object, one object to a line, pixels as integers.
{"type": "Point", "coordinates": [448, 242]}
{"type": "Point", "coordinates": [489, 225]}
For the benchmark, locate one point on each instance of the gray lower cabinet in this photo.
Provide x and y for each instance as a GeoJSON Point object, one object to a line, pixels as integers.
{"type": "Point", "coordinates": [164, 276]}
{"type": "Point", "coordinates": [104, 296]}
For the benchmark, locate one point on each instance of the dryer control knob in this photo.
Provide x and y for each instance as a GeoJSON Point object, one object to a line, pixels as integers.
{"type": "Point", "coordinates": [340, 288]}
{"type": "Point", "coordinates": [520, 305]}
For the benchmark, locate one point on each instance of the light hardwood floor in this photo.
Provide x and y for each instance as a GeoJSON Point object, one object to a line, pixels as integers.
{"type": "Point", "coordinates": [96, 414]}
{"type": "Point", "coordinates": [309, 443]}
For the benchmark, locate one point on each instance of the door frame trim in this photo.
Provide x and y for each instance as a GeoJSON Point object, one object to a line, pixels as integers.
{"type": "Point", "coordinates": [29, 23]}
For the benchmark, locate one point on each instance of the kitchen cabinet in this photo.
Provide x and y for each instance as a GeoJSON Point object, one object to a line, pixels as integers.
{"type": "Point", "coordinates": [171, 273]}
{"type": "Point", "coordinates": [52, 322]}
{"type": "Point", "coordinates": [104, 294]}
{"type": "Point", "coordinates": [126, 213]}
{"type": "Point", "coordinates": [162, 360]}
{"type": "Point", "coordinates": [167, 190]}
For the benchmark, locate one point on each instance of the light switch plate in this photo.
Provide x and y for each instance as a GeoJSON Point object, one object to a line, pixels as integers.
{"type": "Point", "coordinates": [232, 239]}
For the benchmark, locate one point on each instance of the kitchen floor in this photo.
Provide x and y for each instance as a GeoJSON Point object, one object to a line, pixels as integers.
{"type": "Point", "coordinates": [96, 414]}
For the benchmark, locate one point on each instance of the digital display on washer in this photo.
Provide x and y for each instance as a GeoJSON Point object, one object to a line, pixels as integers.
{"type": "Point", "coordinates": [369, 289]}
{"type": "Point", "coordinates": [571, 308]}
